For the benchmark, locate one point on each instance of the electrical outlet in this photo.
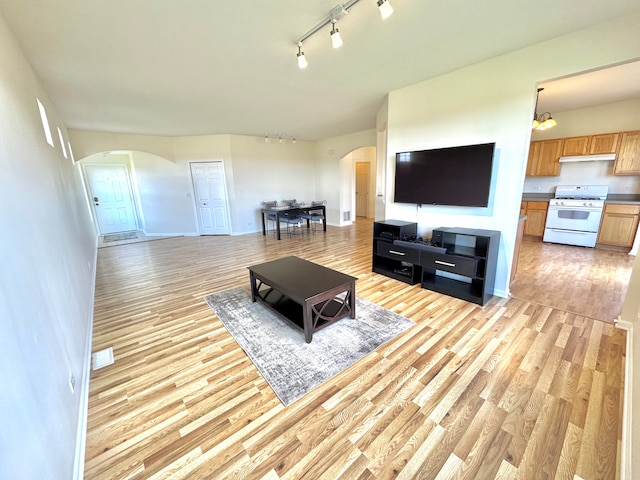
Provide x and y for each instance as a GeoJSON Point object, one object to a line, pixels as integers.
{"type": "Point", "coordinates": [72, 383]}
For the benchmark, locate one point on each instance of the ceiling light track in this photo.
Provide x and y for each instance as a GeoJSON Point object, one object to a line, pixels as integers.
{"type": "Point", "coordinates": [279, 138]}
{"type": "Point", "coordinates": [335, 14]}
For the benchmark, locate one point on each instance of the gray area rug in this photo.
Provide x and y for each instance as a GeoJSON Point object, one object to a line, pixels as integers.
{"type": "Point", "coordinates": [291, 366]}
{"type": "Point", "coordinates": [118, 237]}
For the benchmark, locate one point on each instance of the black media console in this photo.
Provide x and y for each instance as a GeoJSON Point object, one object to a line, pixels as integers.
{"type": "Point", "coordinates": [460, 262]}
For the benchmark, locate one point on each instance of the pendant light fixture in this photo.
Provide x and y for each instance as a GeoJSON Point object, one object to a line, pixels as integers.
{"type": "Point", "coordinates": [544, 120]}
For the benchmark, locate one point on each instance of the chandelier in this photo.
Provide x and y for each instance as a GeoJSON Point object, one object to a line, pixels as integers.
{"type": "Point", "coordinates": [544, 120]}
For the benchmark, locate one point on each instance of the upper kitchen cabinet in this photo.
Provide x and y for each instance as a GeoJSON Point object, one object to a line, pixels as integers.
{"type": "Point", "coordinates": [591, 144]}
{"type": "Point", "coordinates": [544, 156]}
{"type": "Point", "coordinates": [628, 159]}
{"type": "Point", "coordinates": [575, 146]}
{"type": "Point", "coordinates": [603, 143]}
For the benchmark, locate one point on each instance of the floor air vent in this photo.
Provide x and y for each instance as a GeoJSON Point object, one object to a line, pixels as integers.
{"type": "Point", "coordinates": [103, 358]}
{"type": "Point", "coordinates": [346, 216]}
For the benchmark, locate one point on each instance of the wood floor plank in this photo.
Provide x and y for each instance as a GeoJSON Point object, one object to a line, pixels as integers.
{"type": "Point", "coordinates": [525, 387]}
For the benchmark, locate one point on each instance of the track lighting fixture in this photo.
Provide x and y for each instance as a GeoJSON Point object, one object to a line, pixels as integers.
{"type": "Point", "coordinates": [385, 9]}
{"type": "Point", "coordinates": [302, 61]}
{"type": "Point", "coordinates": [332, 18]}
{"type": "Point", "coordinates": [336, 39]}
{"type": "Point", "coordinates": [282, 138]}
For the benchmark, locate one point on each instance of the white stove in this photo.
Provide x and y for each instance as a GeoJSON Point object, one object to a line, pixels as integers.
{"type": "Point", "coordinates": [574, 215]}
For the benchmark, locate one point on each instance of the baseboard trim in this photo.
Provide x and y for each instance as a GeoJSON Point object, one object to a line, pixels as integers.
{"type": "Point", "coordinates": [627, 421]}
{"type": "Point", "coordinates": [83, 411]}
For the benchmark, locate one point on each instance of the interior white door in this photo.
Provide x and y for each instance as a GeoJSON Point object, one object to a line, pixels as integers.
{"type": "Point", "coordinates": [211, 198]}
{"type": "Point", "coordinates": [111, 198]}
{"type": "Point", "coordinates": [362, 189]}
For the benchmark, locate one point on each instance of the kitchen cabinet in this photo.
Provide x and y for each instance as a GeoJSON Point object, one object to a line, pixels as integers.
{"type": "Point", "coordinates": [544, 156]}
{"type": "Point", "coordinates": [536, 213]}
{"type": "Point", "coordinates": [591, 144]}
{"type": "Point", "coordinates": [603, 143]}
{"type": "Point", "coordinates": [575, 146]}
{"type": "Point", "coordinates": [619, 224]}
{"type": "Point", "coordinates": [628, 158]}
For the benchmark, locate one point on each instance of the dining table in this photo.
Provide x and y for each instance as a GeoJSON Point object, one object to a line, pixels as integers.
{"type": "Point", "coordinates": [281, 211]}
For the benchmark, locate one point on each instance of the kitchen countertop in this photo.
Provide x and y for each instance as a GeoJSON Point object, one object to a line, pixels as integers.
{"type": "Point", "coordinates": [622, 198]}
{"type": "Point", "coordinates": [537, 197]}
{"type": "Point", "coordinates": [628, 198]}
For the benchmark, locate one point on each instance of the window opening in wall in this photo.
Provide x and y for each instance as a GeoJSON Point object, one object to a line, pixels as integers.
{"type": "Point", "coordinates": [45, 123]}
{"type": "Point", "coordinates": [73, 159]}
{"type": "Point", "coordinates": [64, 149]}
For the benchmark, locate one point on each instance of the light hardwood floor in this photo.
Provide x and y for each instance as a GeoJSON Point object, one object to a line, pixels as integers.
{"type": "Point", "coordinates": [515, 389]}
{"type": "Point", "coordinates": [586, 281]}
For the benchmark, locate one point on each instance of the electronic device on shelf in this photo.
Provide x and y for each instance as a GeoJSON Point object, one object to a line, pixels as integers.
{"type": "Point", "coordinates": [388, 235]}
{"type": "Point", "coordinates": [420, 245]}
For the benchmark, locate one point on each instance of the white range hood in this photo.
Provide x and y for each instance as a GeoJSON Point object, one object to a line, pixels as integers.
{"type": "Point", "coordinates": [589, 158]}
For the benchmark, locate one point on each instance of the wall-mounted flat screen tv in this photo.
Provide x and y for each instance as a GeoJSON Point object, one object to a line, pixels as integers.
{"type": "Point", "coordinates": [457, 176]}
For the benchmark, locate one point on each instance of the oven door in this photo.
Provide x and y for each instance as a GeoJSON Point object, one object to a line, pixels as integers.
{"type": "Point", "coordinates": [578, 219]}
{"type": "Point", "coordinates": [572, 225]}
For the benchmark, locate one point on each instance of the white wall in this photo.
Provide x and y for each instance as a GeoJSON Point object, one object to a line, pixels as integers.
{"type": "Point", "coordinates": [255, 171]}
{"type": "Point", "coordinates": [613, 117]}
{"type": "Point", "coordinates": [493, 101]}
{"type": "Point", "coordinates": [630, 320]}
{"type": "Point", "coordinates": [47, 248]}
{"type": "Point", "coordinates": [335, 176]}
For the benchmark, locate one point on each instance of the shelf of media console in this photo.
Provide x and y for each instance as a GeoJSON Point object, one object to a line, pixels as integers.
{"type": "Point", "coordinates": [456, 270]}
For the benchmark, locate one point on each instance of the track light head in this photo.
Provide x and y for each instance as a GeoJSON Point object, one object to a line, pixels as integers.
{"type": "Point", "coordinates": [336, 39]}
{"type": "Point", "coordinates": [302, 61]}
{"type": "Point", "coordinates": [385, 9]}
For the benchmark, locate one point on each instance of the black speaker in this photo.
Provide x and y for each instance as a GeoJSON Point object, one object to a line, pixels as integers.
{"type": "Point", "coordinates": [436, 238]}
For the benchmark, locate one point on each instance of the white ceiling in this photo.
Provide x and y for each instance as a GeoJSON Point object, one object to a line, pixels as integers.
{"type": "Point", "coordinates": [599, 87]}
{"type": "Point", "coordinates": [195, 67]}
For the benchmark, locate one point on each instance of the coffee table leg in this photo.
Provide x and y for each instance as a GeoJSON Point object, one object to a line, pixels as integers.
{"type": "Point", "coordinates": [307, 322]}
{"type": "Point", "coordinates": [254, 288]}
{"type": "Point", "coordinates": [352, 299]}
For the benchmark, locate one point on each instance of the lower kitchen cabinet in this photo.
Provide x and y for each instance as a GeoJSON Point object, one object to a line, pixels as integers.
{"type": "Point", "coordinates": [619, 224]}
{"type": "Point", "coordinates": [536, 213]}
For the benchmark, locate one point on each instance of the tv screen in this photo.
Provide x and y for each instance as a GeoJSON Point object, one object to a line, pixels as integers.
{"type": "Point", "coordinates": [459, 176]}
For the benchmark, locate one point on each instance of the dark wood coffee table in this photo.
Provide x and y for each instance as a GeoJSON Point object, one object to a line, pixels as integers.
{"type": "Point", "coordinates": [309, 295]}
